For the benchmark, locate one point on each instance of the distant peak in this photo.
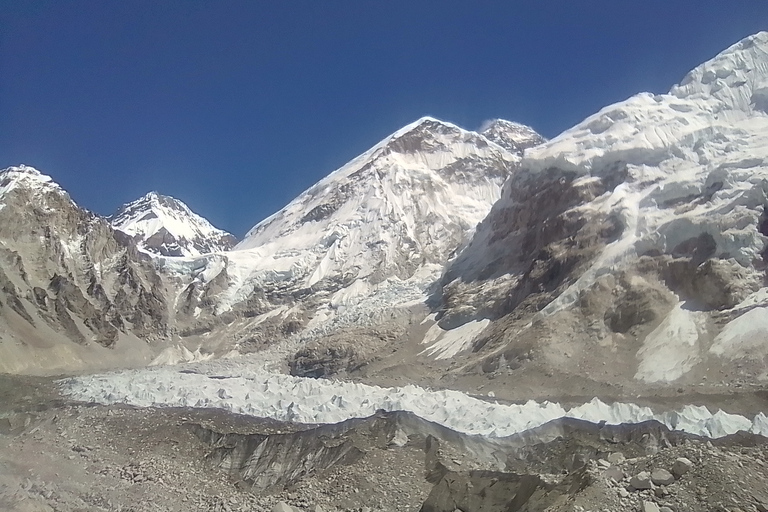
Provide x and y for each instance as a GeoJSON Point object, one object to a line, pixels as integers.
{"type": "Point", "coordinates": [495, 124]}
{"type": "Point", "coordinates": [25, 170]}
{"type": "Point", "coordinates": [510, 135]}
{"type": "Point", "coordinates": [423, 126]}
{"type": "Point", "coordinates": [25, 176]}
{"type": "Point", "coordinates": [155, 196]}
{"type": "Point", "coordinates": [422, 123]}
{"type": "Point", "coordinates": [167, 226]}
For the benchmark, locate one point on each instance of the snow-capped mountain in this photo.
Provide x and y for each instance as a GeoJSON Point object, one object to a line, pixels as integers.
{"type": "Point", "coordinates": [629, 249]}
{"type": "Point", "coordinates": [166, 226]}
{"type": "Point", "coordinates": [513, 136]}
{"type": "Point", "coordinates": [73, 292]}
{"type": "Point", "coordinates": [639, 235]}
{"type": "Point", "coordinates": [371, 235]}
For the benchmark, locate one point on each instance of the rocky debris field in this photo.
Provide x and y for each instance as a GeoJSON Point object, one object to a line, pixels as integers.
{"type": "Point", "coordinates": [62, 456]}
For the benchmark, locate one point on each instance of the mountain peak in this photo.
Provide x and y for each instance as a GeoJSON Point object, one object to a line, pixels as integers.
{"type": "Point", "coordinates": [166, 226]}
{"type": "Point", "coordinates": [737, 76]}
{"type": "Point", "coordinates": [513, 136]}
{"type": "Point", "coordinates": [24, 173]}
{"type": "Point", "coordinates": [422, 126]}
{"type": "Point", "coordinates": [27, 177]}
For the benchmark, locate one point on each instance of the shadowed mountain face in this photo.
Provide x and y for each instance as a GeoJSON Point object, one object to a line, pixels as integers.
{"type": "Point", "coordinates": [638, 236]}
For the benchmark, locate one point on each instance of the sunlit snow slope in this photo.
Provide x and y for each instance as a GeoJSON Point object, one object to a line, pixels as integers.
{"type": "Point", "coordinates": [166, 226]}
{"type": "Point", "coordinates": [372, 235]}
{"type": "Point", "coordinates": [642, 227]}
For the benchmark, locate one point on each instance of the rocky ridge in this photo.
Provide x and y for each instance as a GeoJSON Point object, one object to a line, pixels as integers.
{"type": "Point", "coordinates": [73, 289]}
{"type": "Point", "coordinates": [362, 245]}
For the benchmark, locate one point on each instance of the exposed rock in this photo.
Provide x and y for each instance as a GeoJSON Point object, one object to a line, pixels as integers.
{"type": "Point", "coordinates": [616, 458]}
{"type": "Point", "coordinates": [70, 271]}
{"type": "Point", "coordinates": [641, 481]}
{"type": "Point", "coordinates": [681, 467]}
{"type": "Point", "coordinates": [661, 476]}
{"type": "Point", "coordinates": [282, 506]}
{"type": "Point", "coordinates": [649, 506]}
{"type": "Point", "coordinates": [615, 473]}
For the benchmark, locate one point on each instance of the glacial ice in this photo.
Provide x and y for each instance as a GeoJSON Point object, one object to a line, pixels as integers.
{"type": "Point", "coordinates": [242, 387]}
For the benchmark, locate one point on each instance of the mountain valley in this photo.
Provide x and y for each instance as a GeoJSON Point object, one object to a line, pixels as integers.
{"type": "Point", "coordinates": [601, 292]}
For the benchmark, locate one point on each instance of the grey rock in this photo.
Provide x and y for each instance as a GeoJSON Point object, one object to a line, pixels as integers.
{"type": "Point", "coordinates": [614, 473]}
{"type": "Point", "coordinates": [649, 506]}
{"type": "Point", "coordinates": [662, 477]}
{"type": "Point", "coordinates": [641, 481]}
{"type": "Point", "coordinates": [282, 506]}
{"type": "Point", "coordinates": [616, 458]}
{"type": "Point", "coordinates": [681, 467]}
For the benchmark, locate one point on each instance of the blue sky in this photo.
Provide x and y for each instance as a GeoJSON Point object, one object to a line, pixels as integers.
{"type": "Point", "coordinates": [235, 107]}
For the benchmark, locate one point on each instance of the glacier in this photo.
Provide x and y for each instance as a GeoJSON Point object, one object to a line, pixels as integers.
{"type": "Point", "coordinates": [243, 387]}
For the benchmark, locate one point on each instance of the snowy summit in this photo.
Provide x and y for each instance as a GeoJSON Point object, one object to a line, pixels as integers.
{"type": "Point", "coordinates": [166, 226]}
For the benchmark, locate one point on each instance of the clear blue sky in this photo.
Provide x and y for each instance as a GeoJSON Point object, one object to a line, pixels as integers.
{"type": "Point", "coordinates": [235, 107]}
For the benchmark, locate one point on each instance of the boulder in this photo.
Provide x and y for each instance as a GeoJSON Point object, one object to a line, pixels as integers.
{"type": "Point", "coordinates": [662, 477]}
{"type": "Point", "coordinates": [681, 467]}
{"type": "Point", "coordinates": [616, 458]}
{"type": "Point", "coordinates": [649, 506]}
{"type": "Point", "coordinates": [614, 473]}
{"type": "Point", "coordinates": [282, 506]}
{"type": "Point", "coordinates": [641, 481]}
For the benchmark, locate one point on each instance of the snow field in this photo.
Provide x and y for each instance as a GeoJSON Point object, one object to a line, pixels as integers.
{"type": "Point", "coordinates": [246, 390]}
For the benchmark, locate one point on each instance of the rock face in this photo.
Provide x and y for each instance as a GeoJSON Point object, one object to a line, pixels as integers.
{"type": "Point", "coordinates": [71, 285]}
{"type": "Point", "coordinates": [166, 226]}
{"type": "Point", "coordinates": [641, 230]}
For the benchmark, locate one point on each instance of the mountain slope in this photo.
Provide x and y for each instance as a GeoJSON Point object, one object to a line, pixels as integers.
{"type": "Point", "coordinates": [513, 136]}
{"type": "Point", "coordinates": [166, 226]}
{"type": "Point", "coordinates": [369, 237]}
{"type": "Point", "coordinates": [73, 292]}
{"type": "Point", "coordinates": [635, 240]}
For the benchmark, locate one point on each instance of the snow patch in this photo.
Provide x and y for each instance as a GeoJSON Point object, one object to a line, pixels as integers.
{"type": "Point", "coordinates": [446, 344]}
{"type": "Point", "coordinates": [671, 349]}
{"type": "Point", "coordinates": [745, 336]}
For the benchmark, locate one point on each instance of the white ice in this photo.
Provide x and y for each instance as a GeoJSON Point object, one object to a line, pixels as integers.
{"type": "Point", "coordinates": [244, 389]}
